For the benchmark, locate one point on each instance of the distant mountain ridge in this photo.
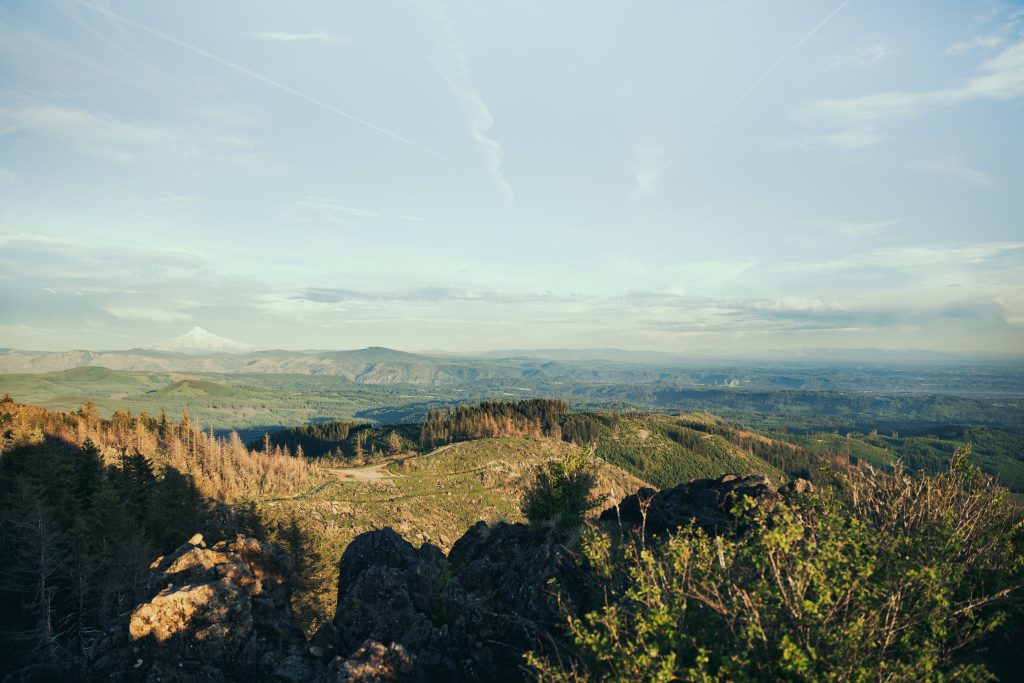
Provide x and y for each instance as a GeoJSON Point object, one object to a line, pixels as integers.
{"type": "Point", "coordinates": [372, 365]}
{"type": "Point", "coordinates": [200, 351]}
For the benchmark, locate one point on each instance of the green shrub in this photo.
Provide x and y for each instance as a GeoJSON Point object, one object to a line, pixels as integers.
{"type": "Point", "coordinates": [902, 581]}
{"type": "Point", "coordinates": [562, 492]}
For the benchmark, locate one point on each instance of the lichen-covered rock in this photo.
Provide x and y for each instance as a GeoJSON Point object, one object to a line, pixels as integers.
{"type": "Point", "coordinates": [373, 662]}
{"type": "Point", "coordinates": [705, 502]}
{"type": "Point", "coordinates": [213, 614]}
{"type": "Point", "coordinates": [798, 485]}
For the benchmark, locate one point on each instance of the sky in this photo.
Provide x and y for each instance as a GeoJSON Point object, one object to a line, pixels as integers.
{"type": "Point", "coordinates": [507, 174]}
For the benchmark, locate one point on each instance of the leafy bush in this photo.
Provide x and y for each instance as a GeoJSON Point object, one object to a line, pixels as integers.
{"type": "Point", "coordinates": [561, 494]}
{"type": "Point", "coordinates": [902, 581]}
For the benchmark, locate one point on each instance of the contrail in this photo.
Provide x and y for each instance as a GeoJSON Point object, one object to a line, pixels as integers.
{"type": "Point", "coordinates": [725, 112]}
{"type": "Point", "coordinates": [110, 14]}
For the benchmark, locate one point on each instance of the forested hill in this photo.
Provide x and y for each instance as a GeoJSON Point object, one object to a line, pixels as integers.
{"type": "Point", "coordinates": [104, 575]}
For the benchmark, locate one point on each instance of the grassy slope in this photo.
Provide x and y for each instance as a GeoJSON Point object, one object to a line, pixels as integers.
{"type": "Point", "coordinates": [998, 452]}
{"type": "Point", "coordinates": [434, 497]}
{"type": "Point", "coordinates": [643, 445]}
{"type": "Point", "coordinates": [240, 402]}
{"type": "Point", "coordinates": [69, 389]}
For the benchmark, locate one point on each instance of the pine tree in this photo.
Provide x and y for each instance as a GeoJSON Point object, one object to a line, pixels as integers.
{"type": "Point", "coordinates": [394, 443]}
{"type": "Point", "coordinates": [86, 473]}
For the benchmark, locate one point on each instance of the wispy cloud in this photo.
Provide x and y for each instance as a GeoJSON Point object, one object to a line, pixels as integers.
{"type": "Point", "coordinates": [322, 210]}
{"type": "Point", "coordinates": [701, 132]}
{"type": "Point", "coordinates": [916, 257]}
{"type": "Point", "coordinates": [843, 139]}
{"type": "Point", "coordinates": [7, 176]}
{"type": "Point", "coordinates": [989, 42]}
{"type": "Point", "coordinates": [290, 37]}
{"type": "Point", "coordinates": [953, 168]}
{"type": "Point", "coordinates": [122, 20]}
{"type": "Point", "coordinates": [146, 314]}
{"type": "Point", "coordinates": [59, 259]}
{"type": "Point", "coordinates": [861, 120]}
{"type": "Point", "coordinates": [170, 202]}
{"type": "Point", "coordinates": [108, 137]}
{"type": "Point", "coordinates": [96, 281]}
{"type": "Point", "coordinates": [645, 165]}
{"type": "Point", "coordinates": [987, 38]}
{"type": "Point", "coordinates": [855, 229]}
{"type": "Point", "coordinates": [427, 294]}
{"type": "Point", "coordinates": [865, 55]}
{"type": "Point", "coordinates": [453, 65]}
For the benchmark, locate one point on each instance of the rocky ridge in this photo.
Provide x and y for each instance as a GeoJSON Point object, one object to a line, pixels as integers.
{"type": "Point", "coordinates": [223, 613]}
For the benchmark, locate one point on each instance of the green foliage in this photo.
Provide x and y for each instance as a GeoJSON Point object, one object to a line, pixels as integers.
{"type": "Point", "coordinates": [668, 450]}
{"type": "Point", "coordinates": [581, 429]}
{"type": "Point", "coordinates": [899, 582]}
{"type": "Point", "coordinates": [999, 452]}
{"type": "Point", "coordinates": [562, 492]}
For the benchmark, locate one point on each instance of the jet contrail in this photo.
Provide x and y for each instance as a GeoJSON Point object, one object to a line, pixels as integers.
{"type": "Point", "coordinates": [110, 14]}
{"type": "Point", "coordinates": [725, 112]}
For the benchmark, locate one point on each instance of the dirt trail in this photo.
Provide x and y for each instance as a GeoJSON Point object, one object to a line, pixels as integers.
{"type": "Point", "coordinates": [374, 472]}
{"type": "Point", "coordinates": [367, 473]}
{"type": "Point", "coordinates": [379, 470]}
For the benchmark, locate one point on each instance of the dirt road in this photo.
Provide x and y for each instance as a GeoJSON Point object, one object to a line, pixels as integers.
{"type": "Point", "coordinates": [379, 471]}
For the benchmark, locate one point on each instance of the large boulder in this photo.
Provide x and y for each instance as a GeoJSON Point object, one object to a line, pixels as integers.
{"type": "Point", "coordinates": [212, 614]}
{"type": "Point", "coordinates": [468, 617]}
{"type": "Point", "coordinates": [511, 569]}
{"type": "Point", "coordinates": [392, 593]}
{"type": "Point", "coordinates": [708, 503]}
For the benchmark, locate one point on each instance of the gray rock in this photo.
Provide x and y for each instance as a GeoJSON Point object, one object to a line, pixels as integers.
{"type": "Point", "coordinates": [213, 614]}
{"type": "Point", "coordinates": [707, 503]}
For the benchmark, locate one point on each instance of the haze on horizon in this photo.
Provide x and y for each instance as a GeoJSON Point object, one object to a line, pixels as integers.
{"type": "Point", "coordinates": [466, 176]}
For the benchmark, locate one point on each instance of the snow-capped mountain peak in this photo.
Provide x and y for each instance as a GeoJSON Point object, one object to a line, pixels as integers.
{"type": "Point", "coordinates": [198, 340]}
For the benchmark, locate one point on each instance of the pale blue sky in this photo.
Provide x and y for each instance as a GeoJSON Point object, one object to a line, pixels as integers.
{"type": "Point", "coordinates": [482, 174]}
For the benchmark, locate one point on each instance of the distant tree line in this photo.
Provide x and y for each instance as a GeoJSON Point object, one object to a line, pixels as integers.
{"type": "Point", "coordinates": [350, 441]}
{"type": "Point", "coordinates": [534, 417]}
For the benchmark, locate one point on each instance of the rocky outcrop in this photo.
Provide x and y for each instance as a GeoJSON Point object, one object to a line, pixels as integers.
{"type": "Point", "coordinates": [213, 614]}
{"type": "Point", "coordinates": [222, 613]}
{"type": "Point", "coordinates": [510, 567]}
{"type": "Point", "coordinates": [468, 617]}
{"type": "Point", "coordinates": [390, 592]}
{"type": "Point", "coordinates": [705, 502]}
